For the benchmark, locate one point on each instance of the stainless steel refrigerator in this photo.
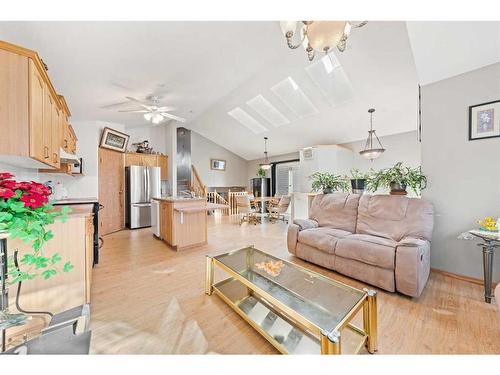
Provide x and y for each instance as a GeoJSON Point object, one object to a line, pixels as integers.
{"type": "Point", "coordinates": [142, 184]}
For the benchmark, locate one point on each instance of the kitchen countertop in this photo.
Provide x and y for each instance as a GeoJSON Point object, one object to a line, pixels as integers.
{"type": "Point", "coordinates": [179, 199]}
{"type": "Point", "coordinates": [75, 201]}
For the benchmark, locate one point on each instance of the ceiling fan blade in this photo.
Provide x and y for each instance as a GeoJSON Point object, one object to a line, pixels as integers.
{"type": "Point", "coordinates": [173, 117]}
{"type": "Point", "coordinates": [166, 109]}
{"type": "Point", "coordinates": [115, 105]}
{"type": "Point", "coordinates": [139, 102]}
{"type": "Point", "coordinates": [136, 110]}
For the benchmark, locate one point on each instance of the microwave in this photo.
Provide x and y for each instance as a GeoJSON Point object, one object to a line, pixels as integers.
{"type": "Point", "coordinates": [77, 168]}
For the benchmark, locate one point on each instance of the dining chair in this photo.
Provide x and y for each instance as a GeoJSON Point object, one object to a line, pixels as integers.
{"type": "Point", "coordinates": [277, 209]}
{"type": "Point", "coordinates": [244, 207]}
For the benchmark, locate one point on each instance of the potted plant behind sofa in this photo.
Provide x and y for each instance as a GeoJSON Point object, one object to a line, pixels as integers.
{"type": "Point", "coordinates": [358, 180]}
{"type": "Point", "coordinates": [328, 182]}
{"type": "Point", "coordinates": [397, 179]}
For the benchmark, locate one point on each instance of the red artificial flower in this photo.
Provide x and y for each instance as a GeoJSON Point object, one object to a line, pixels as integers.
{"type": "Point", "coordinates": [5, 175]}
{"type": "Point", "coordinates": [40, 189]}
{"type": "Point", "coordinates": [9, 184]}
{"type": "Point", "coordinates": [33, 200]}
{"type": "Point", "coordinates": [6, 193]}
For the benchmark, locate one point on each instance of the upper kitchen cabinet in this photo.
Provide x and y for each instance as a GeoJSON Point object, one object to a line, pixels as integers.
{"type": "Point", "coordinates": [148, 160]}
{"type": "Point", "coordinates": [68, 134]}
{"type": "Point", "coordinates": [31, 113]}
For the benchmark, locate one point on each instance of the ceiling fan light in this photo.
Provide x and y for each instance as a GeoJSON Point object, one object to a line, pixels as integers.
{"type": "Point", "coordinates": [148, 116]}
{"type": "Point", "coordinates": [157, 118]}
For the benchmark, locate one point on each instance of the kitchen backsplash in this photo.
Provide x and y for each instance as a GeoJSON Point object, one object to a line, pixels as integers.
{"type": "Point", "coordinates": [73, 185]}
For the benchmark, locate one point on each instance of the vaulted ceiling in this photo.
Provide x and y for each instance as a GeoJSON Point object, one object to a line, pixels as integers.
{"type": "Point", "coordinates": [207, 70]}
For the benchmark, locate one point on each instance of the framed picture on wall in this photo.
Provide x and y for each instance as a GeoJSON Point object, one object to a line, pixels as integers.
{"type": "Point", "coordinates": [484, 120]}
{"type": "Point", "coordinates": [114, 140]}
{"type": "Point", "coordinates": [218, 164]}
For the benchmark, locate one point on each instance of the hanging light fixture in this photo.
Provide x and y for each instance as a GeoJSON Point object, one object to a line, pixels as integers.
{"type": "Point", "coordinates": [318, 36]}
{"type": "Point", "coordinates": [372, 151]}
{"type": "Point", "coordinates": [266, 165]}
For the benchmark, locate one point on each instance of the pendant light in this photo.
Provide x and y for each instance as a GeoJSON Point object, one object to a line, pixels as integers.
{"type": "Point", "coordinates": [266, 165]}
{"type": "Point", "coordinates": [372, 151]}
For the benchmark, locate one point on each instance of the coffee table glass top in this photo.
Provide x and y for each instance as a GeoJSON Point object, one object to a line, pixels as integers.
{"type": "Point", "coordinates": [322, 301]}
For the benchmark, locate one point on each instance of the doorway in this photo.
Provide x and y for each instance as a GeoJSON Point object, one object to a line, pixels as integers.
{"type": "Point", "coordinates": [111, 191]}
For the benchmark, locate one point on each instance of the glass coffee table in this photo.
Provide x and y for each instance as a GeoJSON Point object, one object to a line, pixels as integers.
{"type": "Point", "coordinates": [297, 310]}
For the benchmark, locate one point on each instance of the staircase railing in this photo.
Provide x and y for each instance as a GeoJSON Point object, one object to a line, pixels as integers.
{"type": "Point", "coordinates": [233, 208]}
{"type": "Point", "coordinates": [214, 197]}
{"type": "Point", "coordinates": [197, 185]}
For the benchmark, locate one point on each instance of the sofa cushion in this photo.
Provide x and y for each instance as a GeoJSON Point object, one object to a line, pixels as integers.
{"type": "Point", "coordinates": [373, 250]}
{"type": "Point", "coordinates": [322, 238]}
{"type": "Point", "coordinates": [336, 210]}
{"type": "Point", "coordinates": [394, 217]}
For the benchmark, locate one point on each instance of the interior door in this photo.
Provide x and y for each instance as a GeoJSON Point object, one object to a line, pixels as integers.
{"type": "Point", "coordinates": [111, 191]}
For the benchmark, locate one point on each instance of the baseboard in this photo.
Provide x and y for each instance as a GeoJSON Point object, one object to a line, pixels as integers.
{"type": "Point", "coordinates": [462, 277]}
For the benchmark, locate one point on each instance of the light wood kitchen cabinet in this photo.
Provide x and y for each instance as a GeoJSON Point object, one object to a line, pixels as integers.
{"type": "Point", "coordinates": [38, 149]}
{"type": "Point", "coordinates": [162, 162]}
{"type": "Point", "coordinates": [30, 110]}
{"type": "Point", "coordinates": [148, 160]}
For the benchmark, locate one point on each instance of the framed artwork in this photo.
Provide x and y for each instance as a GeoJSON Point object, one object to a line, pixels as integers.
{"type": "Point", "coordinates": [114, 140]}
{"type": "Point", "coordinates": [484, 120]}
{"type": "Point", "coordinates": [218, 164]}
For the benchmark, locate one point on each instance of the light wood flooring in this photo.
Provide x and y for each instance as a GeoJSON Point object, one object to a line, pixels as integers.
{"type": "Point", "coordinates": [147, 298]}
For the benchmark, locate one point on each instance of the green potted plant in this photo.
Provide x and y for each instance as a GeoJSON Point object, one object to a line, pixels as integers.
{"type": "Point", "coordinates": [358, 180]}
{"type": "Point", "coordinates": [261, 172]}
{"type": "Point", "coordinates": [328, 182]}
{"type": "Point", "coordinates": [397, 179]}
{"type": "Point", "coordinates": [24, 213]}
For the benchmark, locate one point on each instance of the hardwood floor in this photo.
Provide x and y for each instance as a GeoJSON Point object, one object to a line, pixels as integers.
{"type": "Point", "coordinates": [147, 298]}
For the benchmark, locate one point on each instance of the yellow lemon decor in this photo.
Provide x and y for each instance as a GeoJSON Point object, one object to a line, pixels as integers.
{"type": "Point", "coordinates": [488, 224]}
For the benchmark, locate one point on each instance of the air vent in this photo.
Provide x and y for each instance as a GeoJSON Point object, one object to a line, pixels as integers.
{"type": "Point", "coordinates": [307, 153]}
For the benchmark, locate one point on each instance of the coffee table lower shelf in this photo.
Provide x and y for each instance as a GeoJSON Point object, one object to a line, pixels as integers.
{"type": "Point", "coordinates": [286, 335]}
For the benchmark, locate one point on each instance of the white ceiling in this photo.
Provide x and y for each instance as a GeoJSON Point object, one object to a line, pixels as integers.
{"type": "Point", "coordinates": [207, 69]}
{"type": "Point", "coordinates": [446, 49]}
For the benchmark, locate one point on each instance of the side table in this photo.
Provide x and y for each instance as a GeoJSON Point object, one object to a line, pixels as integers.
{"type": "Point", "coordinates": [490, 241]}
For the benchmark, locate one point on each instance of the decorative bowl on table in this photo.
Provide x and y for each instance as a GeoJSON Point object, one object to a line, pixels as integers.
{"type": "Point", "coordinates": [488, 224]}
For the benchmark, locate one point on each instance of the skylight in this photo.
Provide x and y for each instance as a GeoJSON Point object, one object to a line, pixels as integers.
{"type": "Point", "coordinates": [246, 120]}
{"type": "Point", "coordinates": [269, 112]}
{"type": "Point", "coordinates": [293, 96]}
{"type": "Point", "coordinates": [330, 77]}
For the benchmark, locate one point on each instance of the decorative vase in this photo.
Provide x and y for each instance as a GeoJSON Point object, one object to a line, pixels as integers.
{"type": "Point", "coordinates": [397, 188]}
{"type": "Point", "coordinates": [327, 190]}
{"type": "Point", "coordinates": [358, 185]}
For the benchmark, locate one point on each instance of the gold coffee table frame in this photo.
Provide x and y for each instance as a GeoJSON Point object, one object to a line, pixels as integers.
{"type": "Point", "coordinates": [330, 342]}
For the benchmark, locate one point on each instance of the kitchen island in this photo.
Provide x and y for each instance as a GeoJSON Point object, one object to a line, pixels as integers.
{"type": "Point", "coordinates": [183, 221]}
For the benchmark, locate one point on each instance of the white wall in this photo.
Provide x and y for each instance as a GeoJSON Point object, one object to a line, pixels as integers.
{"type": "Point", "coordinates": [403, 147]}
{"type": "Point", "coordinates": [202, 150]}
{"type": "Point", "coordinates": [253, 165]}
{"type": "Point", "coordinates": [464, 176]}
{"type": "Point", "coordinates": [88, 134]}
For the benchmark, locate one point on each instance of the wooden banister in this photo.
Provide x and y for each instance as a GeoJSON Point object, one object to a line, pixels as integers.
{"type": "Point", "coordinates": [197, 184]}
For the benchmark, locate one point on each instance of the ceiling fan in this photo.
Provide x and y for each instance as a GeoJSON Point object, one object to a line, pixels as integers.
{"type": "Point", "coordinates": [154, 113]}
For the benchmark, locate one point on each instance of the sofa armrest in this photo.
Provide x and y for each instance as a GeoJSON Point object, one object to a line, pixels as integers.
{"type": "Point", "coordinates": [413, 264]}
{"type": "Point", "coordinates": [291, 237]}
{"type": "Point", "coordinates": [306, 223]}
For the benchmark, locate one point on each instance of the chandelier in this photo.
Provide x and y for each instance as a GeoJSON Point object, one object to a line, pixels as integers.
{"type": "Point", "coordinates": [320, 36]}
{"type": "Point", "coordinates": [266, 165]}
{"type": "Point", "coordinates": [370, 152]}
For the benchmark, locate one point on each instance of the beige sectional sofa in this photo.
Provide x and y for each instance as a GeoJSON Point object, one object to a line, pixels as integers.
{"type": "Point", "coordinates": [382, 240]}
